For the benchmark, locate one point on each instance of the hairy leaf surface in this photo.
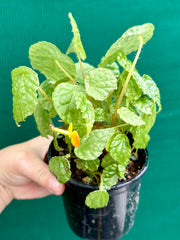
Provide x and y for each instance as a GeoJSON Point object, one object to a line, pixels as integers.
{"type": "Point", "coordinates": [99, 83]}
{"type": "Point", "coordinates": [25, 83]}
{"type": "Point", "coordinates": [45, 57]}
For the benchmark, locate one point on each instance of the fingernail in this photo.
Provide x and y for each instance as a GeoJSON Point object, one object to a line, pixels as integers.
{"type": "Point", "coordinates": [55, 187]}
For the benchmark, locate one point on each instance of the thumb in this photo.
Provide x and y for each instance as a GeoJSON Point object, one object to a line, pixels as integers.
{"type": "Point", "coordinates": [36, 170]}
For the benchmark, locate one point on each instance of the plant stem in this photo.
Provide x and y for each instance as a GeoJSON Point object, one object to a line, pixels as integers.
{"type": "Point", "coordinates": [45, 95]}
{"type": "Point", "coordinates": [80, 63]}
{"type": "Point", "coordinates": [127, 81]}
{"type": "Point", "coordinates": [64, 71]}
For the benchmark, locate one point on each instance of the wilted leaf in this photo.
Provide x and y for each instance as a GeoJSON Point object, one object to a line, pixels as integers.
{"type": "Point", "coordinates": [44, 57]}
{"type": "Point", "coordinates": [25, 83]}
{"type": "Point", "coordinates": [76, 44]}
{"type": "Point", "coordinates": [128, 42]}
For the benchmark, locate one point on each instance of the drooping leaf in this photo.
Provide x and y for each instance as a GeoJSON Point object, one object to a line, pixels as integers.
{"type": "Point", "coordinates": [130, 117]}
{"type": "Point", "coordinates": [86, 68]}
{"type": "Point", "coordinates": [61, 168]}
{"type": "Point", "coordinates": [110, 176]}
{"type": "Point", "coordinates": [99, 83]}
{"type": "Point", "coordinates": [76, 44]}
{"type": "Point", "coordinates": [43, 120]}
{"type": "Point", "coordinates": [45, 57]}
{"type": "Point", "coordinates": [128, 42]}
{"type": "Point", "coordinates": [97, 199]}
{"type": "Point", "coordinates": [64, 99]}
{"type": "Point", "coordinates": [144, 104]}
{"type": "Point", "coordinates": [153, 90]}
{"type": "Point", "coordinates": [87, 165]}
{"type": "Point", "coordinates": [120, 148]}
{"type": "Point", "coordinates": [92, 146]}
{"type": "Point", "coordinates": [25, 83]}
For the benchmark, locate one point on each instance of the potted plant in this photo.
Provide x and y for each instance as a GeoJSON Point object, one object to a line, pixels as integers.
{"type": "Point", "coordinates": [103, 116]}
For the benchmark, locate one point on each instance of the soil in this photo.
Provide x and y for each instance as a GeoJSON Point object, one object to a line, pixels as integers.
{"type": "Point", "coordinates": [132, 169]}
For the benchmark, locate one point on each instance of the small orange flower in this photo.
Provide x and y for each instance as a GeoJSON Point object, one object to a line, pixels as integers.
{"type": "Point", "coordinates": [75, 140]}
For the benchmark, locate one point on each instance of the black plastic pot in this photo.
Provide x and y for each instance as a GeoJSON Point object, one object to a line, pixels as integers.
{"type": "Point", "coordinates": [111, 222]}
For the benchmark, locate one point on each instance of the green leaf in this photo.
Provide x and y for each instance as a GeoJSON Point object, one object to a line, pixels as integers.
{"type": "Point", "coordinates": [99, 83]}
{"type": "Point", "coordinates": [43, 120]}
{"type": "Point", "coordinates": [110, 176]}
{"type": "Point", "coordinates": [91, 165]}
{"type": "Point", "coordinates": [44, 57]}
{"type": "Point", "coordinates": [133, 92]}
{"type": "Point", "coordinates": [121, 170]}
{"type": "Point", "coordinates": [92, 146]}
{"type": "Point", "coordinates": [120, 148]}
{"type": "Point", "coordinates": [130, 117]}
{"type": "Point", "coordinates": [100, 115]}
{"type": "Point", "coordinates": [153, 90]}
{"type": "Point", "coordinates": [25, 83]}
{"type": "Point", "coordinates": [61, 168]}
{"type": "Point", "coordinates": [87, 110]}
{"type": "Point", "coordinates": [64, 99]}
{"type": "Point", "coordinates": [114, 68]}
{"type": "Point", "coordinates": [86, 67]}
{"type": "Point", "coordinates": [144, 104]}
{"type": "Point", "coordinates": [97, 199]}
{"type": "Point", "coordinates": [140, 133]}
{"type": "Point", "coordinates": [76, 44]}
{"type": "Point", "coordinates": [46, 104]}
{"type": "Point", "coordinates": [128, 42]}
{"type": "Point", "coordinates": [107, 160]}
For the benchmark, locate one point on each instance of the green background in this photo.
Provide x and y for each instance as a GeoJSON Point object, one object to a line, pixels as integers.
{"type": "Point", "coordinates": [23, 23]}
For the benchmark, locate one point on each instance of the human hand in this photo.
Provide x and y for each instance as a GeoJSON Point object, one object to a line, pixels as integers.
{"type": "Point", "coordinates": [24, 175]}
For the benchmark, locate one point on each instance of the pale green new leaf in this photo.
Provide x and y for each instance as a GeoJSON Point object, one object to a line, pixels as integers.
{"type": "Point", "coordinates": [109, 176]}
{"type": "Point", "coordinates": [64, 99]}
{"type": "Point", "coordinates": [99, 83]}
{"type": "Point", "coordinates": [43, 120]}
{"type": "Point", "coordinates": [76, 44]}
{"type": "Point", "coordinates": [60, 167]}
{"type": "Point", "coordinates": [46, 57]}
{"type": "Point", "coordinates": [97, 199]}
{"type": "Point", "coordinates": [86, 68]}
{"type": "Point", "coordinates": [153, 90]}
{"type": "Point", "coordinates": [128, 42]}
{"type": "Point", "coordinates": [87, 165]}
{"type": "Point", "coordinates": [130, 117]}
{"type": "Point", "coordinates": [120, 148]}
{"type": "Point", "coordinates": [92, 146]}
{"type": "Point", "coordinates": [25, 83]}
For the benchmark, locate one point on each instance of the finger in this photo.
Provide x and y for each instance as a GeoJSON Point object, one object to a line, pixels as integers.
{"type": "Point", "coordinates": [33, 168]}
{"type": "Point", "coordinates": [29, 191]}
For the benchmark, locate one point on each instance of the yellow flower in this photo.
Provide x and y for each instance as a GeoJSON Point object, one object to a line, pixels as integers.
{"type": "Point", "coordinates": [73, 135]}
